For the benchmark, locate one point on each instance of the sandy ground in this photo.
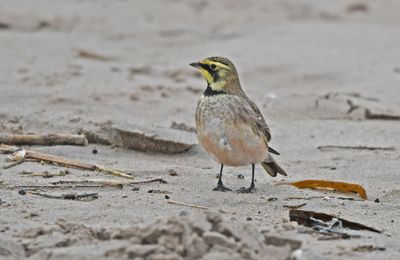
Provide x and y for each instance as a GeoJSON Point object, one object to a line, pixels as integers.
{"type": "Point", "coordinates": [305, 63]}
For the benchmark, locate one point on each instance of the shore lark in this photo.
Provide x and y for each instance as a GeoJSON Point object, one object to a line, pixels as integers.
{"type": "Point", "coordinates": [229, 125]}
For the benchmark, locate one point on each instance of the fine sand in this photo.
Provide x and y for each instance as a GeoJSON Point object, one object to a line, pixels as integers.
{"type": "Point", "coordinates": [322, 72]}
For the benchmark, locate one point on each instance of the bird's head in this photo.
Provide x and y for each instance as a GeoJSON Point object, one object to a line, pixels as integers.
{"type": "Point", "coordinates": [219, 72]}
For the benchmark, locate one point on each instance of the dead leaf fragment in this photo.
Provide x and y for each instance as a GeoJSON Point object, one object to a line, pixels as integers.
{"type": "Point", "coordinates": [318, 219]}
{"type": "Point", "coordinates": [336, 185]}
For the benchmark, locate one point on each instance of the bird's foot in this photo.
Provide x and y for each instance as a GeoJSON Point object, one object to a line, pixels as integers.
{"type": "Point", "coordinates": [250, 189]}
{"type": "Point", "coordinates": [221, 187]}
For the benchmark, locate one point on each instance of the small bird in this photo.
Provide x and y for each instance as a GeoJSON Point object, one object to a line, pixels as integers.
{"type": "Point", "coordinates": [229, 125]}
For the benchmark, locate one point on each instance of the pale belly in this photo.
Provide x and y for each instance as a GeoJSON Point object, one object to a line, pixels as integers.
{"type": "Point", "coordinates": [231, 144]}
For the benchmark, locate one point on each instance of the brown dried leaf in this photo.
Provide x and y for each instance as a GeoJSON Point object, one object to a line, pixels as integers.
{"type": "Point", "coordinates": [336, 185]}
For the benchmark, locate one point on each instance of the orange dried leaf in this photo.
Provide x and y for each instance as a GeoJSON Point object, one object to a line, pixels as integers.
{"type": "Point", "coordinates": [336, 185]}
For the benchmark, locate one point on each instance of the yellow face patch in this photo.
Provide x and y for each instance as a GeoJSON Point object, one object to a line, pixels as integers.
{"type": "Point", "coordinates": [216, 77]}
{"type": "Point", "coordinates": [209, 78]}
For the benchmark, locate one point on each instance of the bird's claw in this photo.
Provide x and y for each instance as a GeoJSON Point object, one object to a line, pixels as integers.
{"type": "Point", "coordinates": [221, 187]}
{"type": "Point", "coordinates": [246, 190]}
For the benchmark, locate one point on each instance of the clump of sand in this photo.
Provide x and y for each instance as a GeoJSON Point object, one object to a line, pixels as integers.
{"type": "Point", "coordinates": [194, 236]}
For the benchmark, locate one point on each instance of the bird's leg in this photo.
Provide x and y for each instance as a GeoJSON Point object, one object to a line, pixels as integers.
{"type": "Point", "coordinates": [220, 185]}
{"type": "Point", "coordinates": [252, 187]}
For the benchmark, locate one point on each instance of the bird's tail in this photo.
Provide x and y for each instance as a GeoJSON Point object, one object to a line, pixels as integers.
{"type": "Point", "coordinates": [272, 167]}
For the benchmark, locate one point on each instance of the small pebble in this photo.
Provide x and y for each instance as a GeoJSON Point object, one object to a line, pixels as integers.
{"type": "Point", "coordinates": [32, 215]}
{"type": "Point", "coordinates": [240, 176]}
{"type": "Point", "coordinates": [135, 189]}
{"type": "Point", "coordinates": [377, 200]}
{"type": "Point", "coordinates": [94, 151]}
{"type": "Point", "coordinates": [357, 7]}
{"type": "Point", "coordinates": [22, 192]}
{"type": "Point", "coordinates": [166, 197]}
{"type": "Point", "coordinates": [248, 218]}
{"type": "Point", "coordinates": [172, 172]}
{"type": "Point", "coordinates": [115, 69]}
{"type": "Point", "coordinates": [150, 191]}
{"type": "Point", "coordinates": [183, 213]}
{"type": "Point", "coordinates": [272, 199]}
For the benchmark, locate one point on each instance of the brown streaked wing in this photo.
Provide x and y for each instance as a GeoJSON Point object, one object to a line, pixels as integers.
{"type": "Point", "coordinates": [260, 121]}
{"type": "Point", "coordinates": [249, 116]}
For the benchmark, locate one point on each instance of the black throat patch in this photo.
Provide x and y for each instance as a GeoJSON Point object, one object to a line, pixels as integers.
{"type": "Point", "coordinates": [210, 92]}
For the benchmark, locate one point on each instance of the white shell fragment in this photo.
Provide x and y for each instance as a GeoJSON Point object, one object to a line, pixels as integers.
{"type": "Point", "coordinates": [16, 156]}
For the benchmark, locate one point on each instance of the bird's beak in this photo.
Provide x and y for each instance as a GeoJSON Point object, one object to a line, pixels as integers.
{"type": "Point", "coordinates": [195, 65]}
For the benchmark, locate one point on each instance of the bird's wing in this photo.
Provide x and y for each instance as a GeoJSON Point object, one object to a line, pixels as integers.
{"type": "Point", "coordinates": [260, 121]}
{"type": "Point", "coordinates": [255, 119]}
{"type": "Point", "coordinates": [262, 125]}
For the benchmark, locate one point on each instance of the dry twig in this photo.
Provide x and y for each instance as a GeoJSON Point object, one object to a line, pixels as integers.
{"type": "Point", "coordinates": [161, 180]}
{"type": "Point", "coordinates": [192, 205]}
{"type": "Point", "coordinates": [304, 198]}
{"type": "Point", "coordinates": [89, 183]}
{"type": "Point", "coordinates": [12, 164]}
{"type": "Point", "coordinates": [50, 139]}
{"type": "Point", "coordinates": [371, 115]}
{"type": "Point", "coordinates": [38, 156]}
{"type": "Point", "coordinates": [93, 56]}
{"type": "Point", "coordinates": [70, 196]}
{"type": "Point", "coordinates": [372, 148]}
{"type": "Point", "coordinates": [43, 187]}
{"type": "Point", "coordinates": [44, 174]}
{"type": "Point", "coordinates": [111, 183]}
{"type": "Point", "coordinates": [295, 206]}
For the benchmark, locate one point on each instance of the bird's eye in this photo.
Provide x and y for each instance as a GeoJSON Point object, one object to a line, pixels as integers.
{"type": "Point", "coordinates": [213, 66]}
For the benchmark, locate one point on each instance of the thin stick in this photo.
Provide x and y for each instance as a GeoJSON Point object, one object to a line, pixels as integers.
{"type": "Point", "coordinates": [321, 197]}
{"type": "Point", "coordinates": [192, 206]}
{"type": "Point", "coordinates": [64, 184]}
{"type": "Point", "coordinates": [49, 139]}
{"type": "Point", "coordinates": [371, 115]}
{"type": "Point", "coordinates": [8, 148]}
{"type": "Point", "coordinates": [161, 180]}
{"type": "Point", "coordinates": [55, 159]}
{"type": "Point", "coordinates": [94, 56]}
{"type": "Point", "coordinates": [188, 205]}
{"type": "Point", "coordinates": [39, 187]}
{"type": "Point", "coordinates": [304, 198]}
{"type": "Point", "coordinates": [70, 196]}
{"type": "Point", "coordinates": [372, 148]}
{"type": "Point", "coordinates": [295, 206]}
{"type": "Point", "coordinates": [112, 172]}
{"type": "Point", "coordinates": [12, 164]}
{"type": "Point", "coordinates": [65, 162]}
{"type": "Point", "coordinates": [112, 183]}
{"type": "Point", "coordinates": [44, 174]}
